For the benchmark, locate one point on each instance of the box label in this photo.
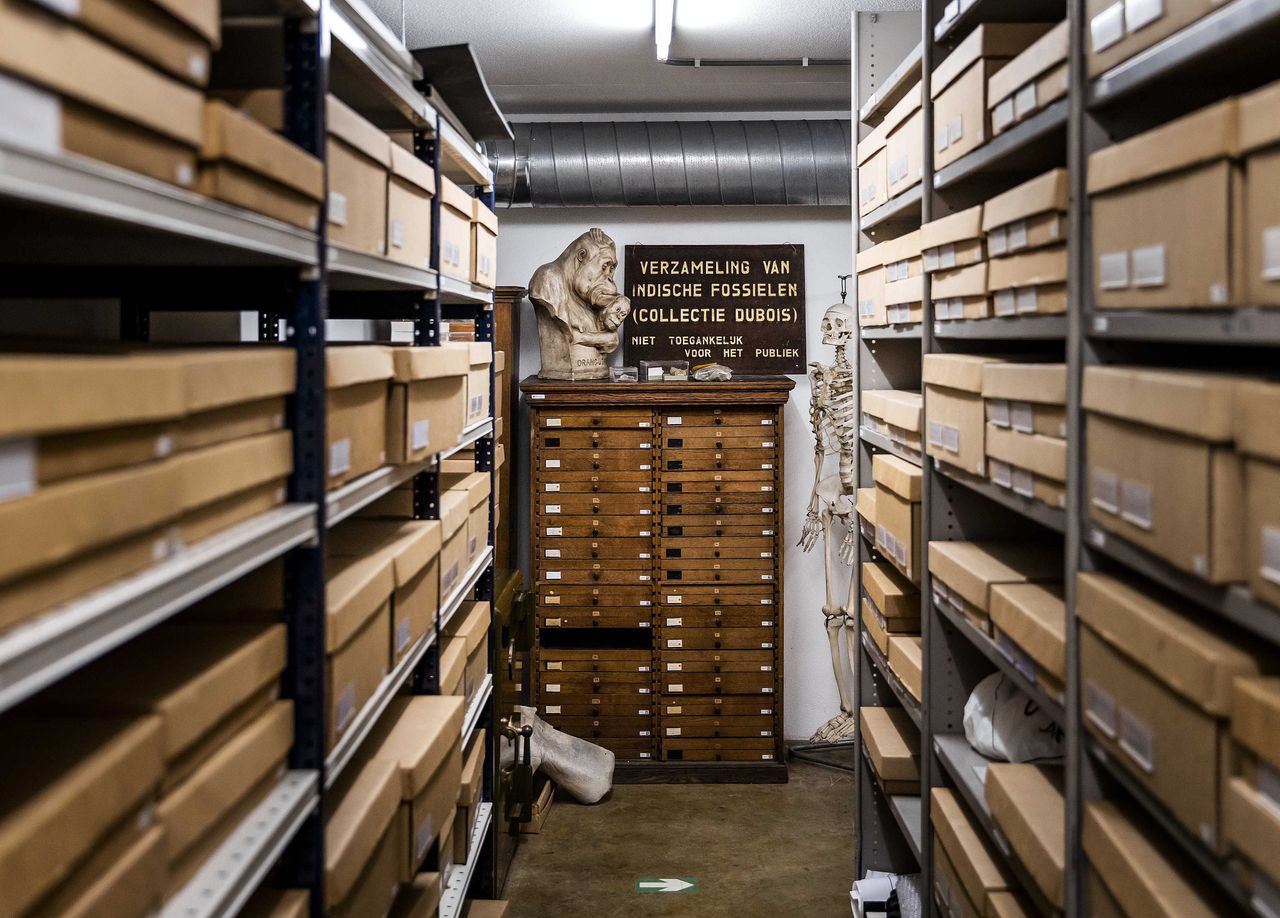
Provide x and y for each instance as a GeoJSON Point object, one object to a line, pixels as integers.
{"type": "Point", "coordinates": [33, 117]}
{"type": "Point", "coordinates": [1148, 266]}
{"type": "Point", "coordinates": [1017, 231]}
{"type": "Point", "coordinates": [421, 434]}
{"type": "Point", "coordinates": [17, 467]}
{"type": "Point", "coordinates": [1022, 417]}
{"type": "Point", "coordinates": [1137, 741]}
{"type": "Point", "coordinates": [1024, 101]}
{"type": "Point", "coordinates": [1271, 554]}
{"type": "Point", "coordinates": [346, 707]}
{"type": "Point", "coordinates": [1113, 270]}
{"type": "Point", "coordinates": [339, 456]}
{"type": "Point", "coordinates": [1139, 13]}
{"type": "Point", "coordinates": [1107, 28]}
{"type": "Point", "coordinates": [1271, 253]}
{"type": "Point", "coordinates": [1100, 708]}
{"type": "Point", "coordinates": [1105, 490]}
{"type": "Point", "coordinates": [337, 208]}
{"type": "Point", "coordinates": [999, 412]}
{"type": "Point", "coordinates": [402, 635]}
{"type": "Point", "coordinates": [397, 234]}
{"type": "Point", "coordinates": [1135, 503]}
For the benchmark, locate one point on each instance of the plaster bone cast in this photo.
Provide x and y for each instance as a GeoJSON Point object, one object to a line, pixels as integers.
{"type": "Point", "coordinates": [833, 419]}
{"type": "Point", "coordinates": [579, 309]}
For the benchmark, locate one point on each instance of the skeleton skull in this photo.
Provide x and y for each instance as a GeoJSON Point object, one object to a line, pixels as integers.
{"type": "Point", "coordinates": [837, 324]}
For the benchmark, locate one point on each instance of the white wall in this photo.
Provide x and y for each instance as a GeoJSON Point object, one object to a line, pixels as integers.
{"type": "Point", "coordinates": [533, 236]}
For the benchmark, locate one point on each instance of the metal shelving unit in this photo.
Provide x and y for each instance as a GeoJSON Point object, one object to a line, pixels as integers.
{"type": "Point", "coordinates": [880, 441]}
{"type": "Point", "coordinates": [475, 710]}
{"type": "Point", "coordinates": [881, 664]}
{"type": "Point", "coordinates": [900, 215]}
{"type": "Point", "coordinates": [1054, 518]}
{"type": "Point", "coordinates": [1026, 149]}
{"type": "Point", "coordinates": [352, 270]}
{"type": "Point", "coordinates": [455, 888]}
{"type": "Point", "coordinates": [1240, 327]}
{"type": "Point", "coordinates": [1022, 328]}
{"type": "Point", "coordinates": [358, 494]}
{"type": "Point", "coordinates": [891, 91]}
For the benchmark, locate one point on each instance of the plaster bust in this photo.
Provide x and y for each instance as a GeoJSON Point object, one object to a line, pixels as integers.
{"type": "Point", "coordinates": [579, 308]}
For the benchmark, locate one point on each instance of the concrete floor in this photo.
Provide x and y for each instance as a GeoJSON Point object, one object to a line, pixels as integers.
{"type": "Point", "coordinates": [756, 851]}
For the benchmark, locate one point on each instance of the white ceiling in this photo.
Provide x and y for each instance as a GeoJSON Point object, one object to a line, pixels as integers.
{"type": "Point", "coordinates": [597, 56]}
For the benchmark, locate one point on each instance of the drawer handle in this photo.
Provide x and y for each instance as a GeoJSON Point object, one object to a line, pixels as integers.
{"type": "Point", "coordinates": [717, 576]}
{"type": "Point", "coordinates": [595, 600]}
{"type": "Point", "coordinates": [595, 575]}
{"type": "Point", "coordinates": [717, 487]}
{"type": "Point", "coordinates": [595, 509]}
{"type": "Point", "coordinates": [595, 487]}
{"type": "Point", "coordinates": [717, 553]}
{"type": "Point", "coordinates": [719, 420]}
{"type": "Point", "coordinates": [595, 421]}
{"type": "Point", "coordinates": [717, 648]}
{"type": "Point", "coordinates": [594, 553]}
{"type": "Point", "coordinates": [595, 465]}
{"type": "Point", "coordinates": [719, 532]}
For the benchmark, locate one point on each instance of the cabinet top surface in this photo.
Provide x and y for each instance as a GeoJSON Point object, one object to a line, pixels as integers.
{"type": "Point", "coordinates": [748, 390]}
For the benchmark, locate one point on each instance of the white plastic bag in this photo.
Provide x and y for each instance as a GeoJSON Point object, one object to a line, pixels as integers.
{"type": "Point", "coordinates": [1004, 724]}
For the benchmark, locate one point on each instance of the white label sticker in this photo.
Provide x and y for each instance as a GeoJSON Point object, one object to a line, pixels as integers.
{"type": "Point", "coordinates": [1148, 266]}
{"type": "Point", "coordinates": [1271, 554]}
{"type": "Point", "coordinates": [402, 635]}
{"type": "Point", "coordinates": [346, 707]}
{"type": "Point", "coordinates": [553, 487]}
{"type": "Point", "coordinates": [555, 530]}
{"type": "Point", "coordinates": [998, 240]}
{"type": "Point", "coordinates": [553, 463]}
{"type": "Point", "coordinates": [421, 434]}
{"type": "Point", "coordinates": [1022, 417]}
{"type": "Point", "coordinates": [675, 420]}
{"type": "Point", "coordinates": [17, 468]}
{"type": "Point", "coordinates": [1137, 740]}
{"type": "Point", "coordinates": [1107, 28]}
{"type": "Point", "coordinates": [1005, 303]}
{"type": "Point", "coordinates": [552, 687]}
{"type": "Point", "coordinates": [1024, 483]}
{"type": "Point", "coordinates": [947, 256]}
{"type": "Point", "coordinates": [675, 622]}
{"type": "Point", "coordinates": [340, 456]}
{"type": "Point", "coordinates": [1100, 708]}
{"type": "Point", "coordinates": [337, 208]}
{"type": "Point", "coordinates": [1139, 13]}
{"type": "Point", "coordinates": [551, 709]}
{"type": "Point", "coordinates": [1113, 270]}
{"type": "Point", "coordinates": [1026, 299]}
{"type": "Point", "coordinates": [675, 687]}
{"type": "Point", "coordinates": [955, 129]}
{"type": "Point", "coordinates": [675, 600]}
{"type": "Point", "coordinates": [1001, 474]}
{"type": "Point", "coordinates": [553, 508]}
{"type": "Point", "coordinates": [1002, 115]}
{"type": "Point", "coordinates": [1271, 253]}
{"type": "Point", "coordinates": [1135, 503]}
{"type": "Point", "coordinates": [1105, 490]}
{"type": "Point", "coordinates": [1017, 235]}
{"type": "Point", "coordinates": [998, 409]}
{"type": "Point", "coordinates": [1024, 101]}
{"type": "Point", "coordinates": [397, 234]}
{"type": "Point", "coordinates": [32, 117]}
{"type": "Point", "coordinates": [552, 422]}
{"type": "Point", "coordinates": [553, 575]}
{"type": "Point", "coordinates": [552, 553]}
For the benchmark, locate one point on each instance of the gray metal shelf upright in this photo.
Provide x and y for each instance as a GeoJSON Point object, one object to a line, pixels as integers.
{"type": "Point", "coordinates": [1228, 51]}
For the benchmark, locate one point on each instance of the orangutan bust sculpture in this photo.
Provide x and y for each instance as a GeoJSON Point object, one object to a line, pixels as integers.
{"type": "Point", "coordinates": [579, 308]}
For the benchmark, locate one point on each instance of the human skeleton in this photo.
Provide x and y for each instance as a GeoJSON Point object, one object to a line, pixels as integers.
{"type": "Point", "coordinates": [833, 418]}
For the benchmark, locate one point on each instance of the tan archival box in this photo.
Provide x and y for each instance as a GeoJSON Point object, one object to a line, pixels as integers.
{"type": "Point", "coordinates": [1029, 620]}
{"type": "Point", "coordinates": [1251, 822]}
{"type": "Point", "coordinates": [893, 745]}
{"type": "Point", "coordinates": [1026, 804]}
{"type": "Point", "coordinates": [905, 146]}
{"type": "Point", "coordinates": [870, 289]}
{"type": "Point", "coordinates": [359, 810]}
{"type": "Point", "coordinates": [1030, 216]}
{"type": "Point", "coordinates": [356, 428]}
{"type": "Point", "coordinates": [899, 489]}
{"type": "Point", "coordinates": [906, 659]}
{"type": "Point", "coordinates": [955, 424]}
{"type": "Point", "coordinates": [427, 406]}
{"type": "Point", "coordinates": [1116, 30]}
{"type": "Point", "coordinates": [455, 231]}
{"type": "Point", "coordinates": [411, 186]}
{"type": "Point", "coordinates": [1031, 81]}
{"type": "Point", "coordinates": [953, 241]}
{"type": "Point", "coordinates": [1027, 397]}
{"type": "Point", "coordinates": [359, 160]}
{"type": "Point", "coordinates": [1258, 439]}
{"type": "Point", "coordinates": [980, 870]}
{"type": "Point", "coordinates": [357, 635]}
{"type": "Point", "coordinates": [1260, 144]}
{"type": "Point", "coordinates": [964, 573]}
{"type": "Point", "coordinates": [484, 245]}
{"type": "Point", "coordinates": [873, 170]}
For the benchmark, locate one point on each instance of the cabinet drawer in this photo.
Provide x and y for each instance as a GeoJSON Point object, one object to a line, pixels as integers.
{"type": "Point", "coordinates": [718, 417]}
{"type": "Point", "coordinates": [756, 658]}
{"type": "Point", "coordinates": [550, 596]}
{"type": "Point", "coordinates": [714, 527]}
{"type": "Point", "coordinates": [628, 750]}
{"type": "Point", "coordinates": [716, 683]}
{"type": "Point", "coordinates": [594, 526]}
{"type": "Point", "coordinates": [597, 727]}
{"type": "Point", "coordinates": [709, 505]}
{"type": "Point", "coordinates": [594, 666]}
{"type": "Point", "coordinates": [547, 568]}
{"type": "Point", "coordinates": [719, 750]}
{"type": "Point", "coordinates": [738, 490]}
{"type": "Point", "coordinates": [750, 565]}
{"type": "Point", "coordinates": [761, 547]}
{"type": "Point", "coordinates": [693, 727]}
{"type": "Point", "coordinates": [594, 483]}
{"type": "Point", "coordinates": [549, 420]}
{"type": "Point", "coordinates": [720, 639]}
{"type": "Point", "coordinates": [632, 684]}
{"type": "Point", "coordinates": [708, 574]}
{"type": "Point", "coordinates": [595, 548]}
{"type": "Point", "coordinates": [610, 576]}
{"type": "Point", "coordinates": [689, 460]}
{"type": "Point", "coordinates": [573, 617]}
{"type": "Point", "coordinates": [716, 706]}
{"type": "Point", "coordinates": [759, 477]}
{"type": "Point", "coordinates": [716, 596]}
{"type": "Point", "coordinates": [585, 460]}
{"type": "Point", "coordinates": [585, 708]}
{"type": "Point", "coordinates": [595, 504]}
{"type": "Point", "coordinates": [730, 664]}
{"type": "Point", "coordinates": [748, 438]}
{"type": "Point", "coordinates": [703, 617]}
{"type": "Point", "coordinates": [549, 440]}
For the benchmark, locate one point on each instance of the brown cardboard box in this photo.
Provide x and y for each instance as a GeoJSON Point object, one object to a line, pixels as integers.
{"type": "Point", "coordinates": [455, 230]}
{"type": "Point", "coordinates": [1146, 253]}
{"type": "Point", "coordinates": [1161, 470]}
{"type": "Point", "coordinates": [486, 908]}
{"type": "Point", "coordinates": [904, 126]}
{"type": "Point", "coordinates": [410, 188]}
{"type": "Point", "coordinates": [947, 888]}
{"type": "Point", "coordinates": [899, 487]}
{"type": "Point", "coordinates": [959, 85]}
{"type": "Point", "coordinates": [1113, 36]}
{"type": "Point", "coordinates": [356, 378]}
{"type": "Point", "coordinates": [45, 460]}
{"type": "Point", "coordinates": [481, 356]}
{"type": "Point", "coordinates": [893, 745]}
{"type": "Point", "coordinates": [1250, 823]}
{"type": "Point", "coordinates": [194, 808]}
{"type": "Point", "coordinates": [961, 294]}
{"type": "Point", "coordinates": [964, 573]}
{"type": "Point", "coordinates": [454, 515]}
{"type": "Point", "coordinates": [278, 903]}
{"type": "Point", "coordinates": [59, 523]}
{"type": "Point", "coordinates": [427, 407]}
{"type": "Point", "coordinates": [1031, 81]}
{"type": "Point", "coordinates": [980, 870]}
{"type": "Point", "coordinates": [484, 245]}
{"type": "Point", "coordinates": [469, 794]}
{"type": "Point", "coordinates": [1027, 397]}
{"type": "Point", "coordinates": [124, 877]}
{"type": "Point", "coordinates": [1029, 620]}
{"type": "Point", "coordinates": [359, 811]}
{"type": "Point", "coordinates": [895, 599]}
{"type": "Point", "coordinates": [358, 624]}
{"type": "Point", "coordinates": [953, 413]}
{"type": "Point", "coordinates": [453, 666]}
{"type": "Point", "coordinates": [1029, 283]}
{"type": "Point", "coordinates": [175, 35]}
{"type": "Point", "coordinates": [1252, 830]}
{"type": "Point", "coordinates": [902, 258]}
{"type": "Point", "coordinates": [245, 163]}
{"type": "Point", "coordinates": [228, 483]}
{"type": "Point", "coordinates": [412, 548]}
{"type": "Point", "coordinates": [444, 851]}
{"type": "Point", "coordinates": [477, 487]}
{"type": "Point", "coordinates": [358, 156]}
{"type": "Point", "coordinates": [91, 99]}
{"type": "Point", "coordinates": [1030, 216]}
{"type": "Point", "coordinates": [953, 241]}
{"type": "Point", "coordinates": [375, 890]}
{"type": "Point", "coordinates": [471, 623]}
{"type": "Point", "coordinates": [77, 778]}
{"type": "Point", "coordinates": [1157, 690]}
{"type": "Point", "coordinates": [1101, 903]}
{"type": "Point", "coordinates": [1013, 905]}
{"type": "Point", "coordinates": [233, 422]}
{"type": "Point", "coordinates": [875, 627]}
{"type": "Point", "coordinates": [419, 899]}
{"type": "Point", "coordinates": [906, 658]}
{"type": "Point", "coordinates": [897, 414]}
{"type": "Point", "coordinates": [420, 735]}
{"type": "Point", "coordinates": [873, 170]}
{"type": "Point", "coordinates": [232, 392]}
{"type": "Point", "coordinates": [904, 301]}
{"type": "Point", "coordinates": [1257, 440]}
{"type": "Point", "coordinates": [870, 287]}
{"type": "Point", "coordinates": [1260, 144]}
{"type": "Point", "coordinates": [866, 508]}
{"type": "Point", "coordinates": [1026, 806]}
{"type": "Point", "coordinates": [1020, 460]}
{"type": "Point", "coordinates": [1138, 866]}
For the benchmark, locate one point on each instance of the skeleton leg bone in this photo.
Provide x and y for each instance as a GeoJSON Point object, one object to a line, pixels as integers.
{"type": "Point", "coordinates": [842, 725]}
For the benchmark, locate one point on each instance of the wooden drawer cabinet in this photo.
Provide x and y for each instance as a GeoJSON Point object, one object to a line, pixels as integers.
{"type": "Point", "coordinates": [657, 514]}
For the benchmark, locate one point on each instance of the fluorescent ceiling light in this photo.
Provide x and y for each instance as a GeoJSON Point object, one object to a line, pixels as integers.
{"type": "Point", "coordinates": [664, 18]}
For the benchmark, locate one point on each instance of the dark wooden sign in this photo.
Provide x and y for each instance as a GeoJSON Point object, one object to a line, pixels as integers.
{"type": "Point", "coordinates": [739, 305]}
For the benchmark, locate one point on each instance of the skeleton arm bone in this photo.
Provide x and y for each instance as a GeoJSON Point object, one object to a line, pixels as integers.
{"type": "Point", "coordinates": [812, 529]}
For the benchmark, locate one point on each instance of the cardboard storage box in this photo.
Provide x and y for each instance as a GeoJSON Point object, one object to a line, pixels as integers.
{"type": "Point", "coordinates": [1251, 822]}
{"type": "Point", "coordinates": [1157, 692]}
{"type": "Point", "coordinates": [427, 406]}
{"type": "Point", "coordinates": [870, 287]}
{"type": "Point", "coordinates": [360, 811]}
{"type": "Point", "coordinates": [1146, 254]}
{"type": "Point", "coordinates": [477, 486]}
{"type": "Point", "coordinates": [1161, 470]}
{"type": "Point", "coordinates": [245, 163]}
{"type": "Point", "coordinates": [980, 871]}
{"type": "Point", "coordinates": [866, 508]}
{"type": "Point", "coordinates": [1257, 407]}
{"type": "Point", "coordinates": [1117, 30]}
{"type": "Point", "coordinates": [955, 424]}
{"type": "Point", "coordinates": [893, 745]}
{"type": "Point", "coordinates": [486, 908]}
{"type": "Point", "coordinates": [481, 357]}
{"type": "Point", "coordinates": [356, 423]}
{"type": "Point", "coordinates": [904, 301]}
{"type": "Point", "coordinates": [268, 902]}
{"type": "Point", "coordinates": [419, 899]}
{"type": "Point", "coordinates": [1029, 464]}
{"type": "Point", "coordinates": [231, 482]}
{"type": "Point", "coordinates": [899, 491]}
{"type": "Point", "coordinates": [902, 258]}
{"type": "Point", "coordinates": [410, 188]}
{"type": "Point", "coordinates": [413, 549]}
{"type": "Point", "coordinates": [231, 393]}
{"type": "Point", "coordinates": [56, 811]}
{"type": "Point", "coordinates": [1031, 81]}
{"type": "Point", "coordinates": [484, 245]}
{"type": "Point", "coordinates": [358, 156]}
{"type": "Point", "coordinates": [420, 735]}
{"type": "Point", "coordinates": [124, 876]}
{"type": "Point", "coordinates": [469, 794]}
{"type": "Point", "coordinates": [1033, 283]}
{"type": "Point", "coordinates": [1026, 805]}
{"type": "Point", "coordinates": [1027, 397]}
{"type": "Point", "coordinates": [873, 170]}
{"type": "Point", "coordinates": [894, 413]}
{"type": "Point", "coordinates": [1029, 621]}
{"type": "Point", "coordinates": [895, 602]}
{"type": "Point", "coordinates": [454, 515]}
{"type": "Point", "coordinates": [959, 85]}
{"type": "Point", "coordinates": [947, 888]}
{"type": "Point", "coordinates": [904, 127]}
{"type": "Point", "coordinates": [69, 92]}
{"type": "Point", "coordinates": [471, 623]}
{"type": "Point", "coordinates": [964, 573]}
{"type": "Point", "coordinates": [1013, 905]}
{"type": "Point", "coordinates": [906, 659]}
{"type": "Point", "coordinates": [455, 230]}
{"type": "Point", "coordinates": [1030, 216]}
{"type": "Point", "coordinates": [357, 635]}
{"type": "Point", "coordinates": [961, 293]}
{"type": "Point", "coordinates": [453, 666]}
{"type": "Point", "coordinates": [1260, 145]}
{"type": "Point", "coordinates": [1138, 867]}
{"type": "Point", "coordinates": [953, 241]}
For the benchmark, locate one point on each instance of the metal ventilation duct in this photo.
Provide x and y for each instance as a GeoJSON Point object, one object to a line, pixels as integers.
{"type": "Point", "coordinates": [636, 163]}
